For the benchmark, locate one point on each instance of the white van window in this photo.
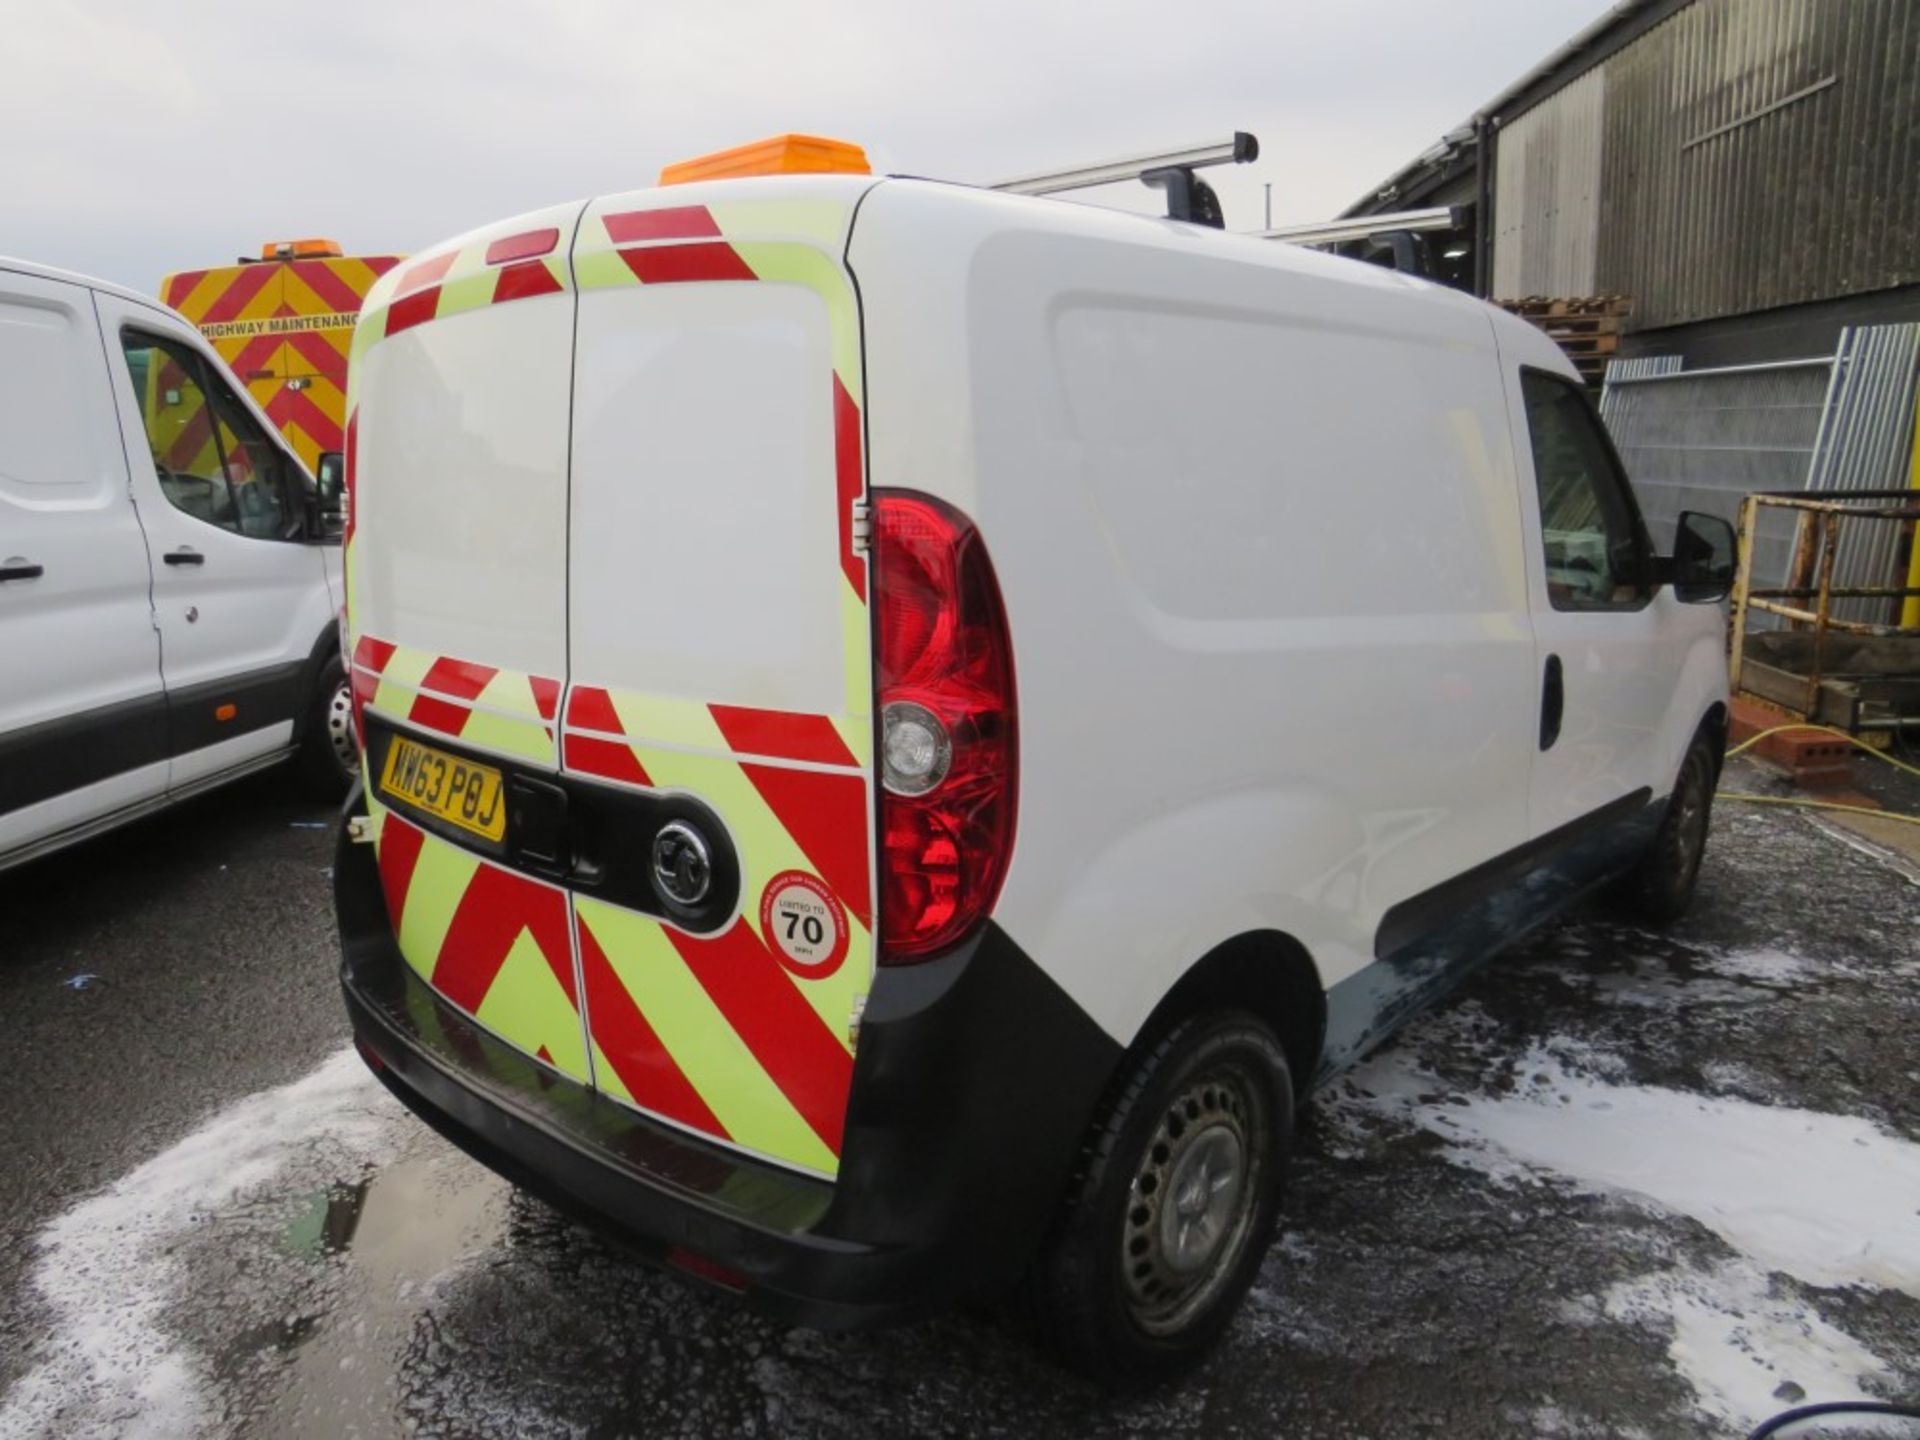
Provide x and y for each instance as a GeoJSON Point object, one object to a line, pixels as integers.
{"type": "Point", "coordinates": [212, 460]}
{"type": "Point", "coordinates": [1595, 544]}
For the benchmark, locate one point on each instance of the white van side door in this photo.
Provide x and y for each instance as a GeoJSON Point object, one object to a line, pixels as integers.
{"type": "Point", "coordinates": [239, 589]}
{"type": "Point", "coordinates": [82, 712]}
{"type": "Point", "coordinates": [1607, 662]}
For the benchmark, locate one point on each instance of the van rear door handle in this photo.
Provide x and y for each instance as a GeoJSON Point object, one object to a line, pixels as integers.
{"type": "Point", "coordinates": [1553, 703]}
{"type": "Point", "coordinates": [185, 555]}
{"type": "Point", "coordinates": [18, 567]}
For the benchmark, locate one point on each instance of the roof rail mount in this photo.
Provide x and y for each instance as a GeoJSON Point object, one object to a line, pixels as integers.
{"type": "Point", "coordinates": [1189, 197]}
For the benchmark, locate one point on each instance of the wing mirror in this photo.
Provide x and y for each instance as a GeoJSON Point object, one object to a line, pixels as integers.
{"type": "Point", "coordinates": [1701, 566]}
{"type": "Point", "coordinates": [330, 486]}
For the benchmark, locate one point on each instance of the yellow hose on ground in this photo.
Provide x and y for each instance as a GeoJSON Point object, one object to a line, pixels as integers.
{"type": "Point", "coordinates": [1802, 803]}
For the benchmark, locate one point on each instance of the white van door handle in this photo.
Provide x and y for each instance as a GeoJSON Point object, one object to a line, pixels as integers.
{"type": "Point", "coordinates": [185, 555]}
{"type": "Point", "coordinates": [18, 567]}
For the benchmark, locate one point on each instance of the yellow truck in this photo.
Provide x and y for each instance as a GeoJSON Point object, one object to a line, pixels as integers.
{"type": "Point", "coordinates": [283, 321]}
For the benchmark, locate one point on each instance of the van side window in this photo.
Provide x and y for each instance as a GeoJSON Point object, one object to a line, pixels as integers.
{"type": "Point", "coordinates": [211, 458]}
{"type": "Point", "coordinates": [1595, 543]}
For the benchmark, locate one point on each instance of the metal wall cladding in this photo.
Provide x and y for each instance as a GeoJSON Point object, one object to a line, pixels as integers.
{"type": "Point", "coordinates": [1546, 211]}
{"type": "Point", "coordinates": [1753, 153]}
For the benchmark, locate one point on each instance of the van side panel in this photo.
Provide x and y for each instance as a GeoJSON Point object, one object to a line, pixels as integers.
{"type": "Point", "coordinates": [1255, 517]}
{"type": "Point", "coordinates": [721, 646]}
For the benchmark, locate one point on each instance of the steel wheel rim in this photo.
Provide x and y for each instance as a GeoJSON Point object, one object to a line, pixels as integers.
{"type": "Point", "coordinates": [1190, 1209]}
{"type": "Point", "coordinates": [340, 739]}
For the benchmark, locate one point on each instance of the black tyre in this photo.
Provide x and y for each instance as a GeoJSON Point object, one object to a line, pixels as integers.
{"type": "Point", "coordinates": [329, 756]}
{"type": "Point", "coordinates": [1171, 1207]}
{"type": "Point", "coordinates": [1660, 886]}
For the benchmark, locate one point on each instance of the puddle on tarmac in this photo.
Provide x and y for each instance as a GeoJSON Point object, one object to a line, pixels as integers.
{"type": "Point", "coordinates": [389, 1238]}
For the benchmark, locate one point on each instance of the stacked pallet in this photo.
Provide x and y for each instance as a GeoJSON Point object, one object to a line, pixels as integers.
{"type": "Point", "coordinates": [1588, 328]}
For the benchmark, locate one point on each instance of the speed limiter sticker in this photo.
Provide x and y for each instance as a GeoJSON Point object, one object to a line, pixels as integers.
{"type": "Point", "coordinates": [805, 922]}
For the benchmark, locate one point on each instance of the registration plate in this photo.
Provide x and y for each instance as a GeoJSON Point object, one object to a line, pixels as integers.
{"type": "Point", "coordinates": [457, 791]}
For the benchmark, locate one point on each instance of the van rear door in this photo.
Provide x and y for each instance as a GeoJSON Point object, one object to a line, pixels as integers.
{"type": "Point", "coordinates": [720, 654]}
{"type": "Point", "coordinates": [456, 581]}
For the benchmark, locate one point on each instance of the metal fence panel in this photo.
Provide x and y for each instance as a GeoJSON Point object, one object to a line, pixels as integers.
{"type": "Point", "coordinates": [1865, 443]}
{"type": "Point", "coordinates": [1702, 439]}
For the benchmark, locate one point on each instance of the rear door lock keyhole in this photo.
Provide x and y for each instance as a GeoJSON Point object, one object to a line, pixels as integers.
{"type": "Point", "coordinates": [682, 865]}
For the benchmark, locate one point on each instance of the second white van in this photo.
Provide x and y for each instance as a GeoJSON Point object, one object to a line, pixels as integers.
{"type": "Point", "coordinates": [169, 572]}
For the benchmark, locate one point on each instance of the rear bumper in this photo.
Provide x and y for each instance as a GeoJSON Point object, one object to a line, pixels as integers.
{"type": "Point", "coordinates": [974, 1081]}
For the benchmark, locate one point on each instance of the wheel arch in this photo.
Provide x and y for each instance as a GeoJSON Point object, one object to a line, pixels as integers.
{"type": "Point", "coordinates": [325, 647]}
{"type": "Point", "coordinates": [1266, 972]}
{"type": "Point", "coordinates": [1713, 725]}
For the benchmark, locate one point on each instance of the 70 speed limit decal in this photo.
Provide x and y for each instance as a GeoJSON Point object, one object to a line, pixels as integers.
{"type": "Point", "coordinates": [806, 924]}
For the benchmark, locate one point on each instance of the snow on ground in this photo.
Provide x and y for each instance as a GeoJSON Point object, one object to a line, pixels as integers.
{"type": "Point", "coordinates": [1746, 1349]}
{"type": "Point", "coordinates": [1827, 1200]}
{"type": "Point", "coordinates": [107, 1267]}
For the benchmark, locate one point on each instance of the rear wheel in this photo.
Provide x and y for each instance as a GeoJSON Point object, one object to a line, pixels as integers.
{"type": "Point", "coordinates": [329, 756]}
{"type": "Point", "coordinates": [1172, 1205]}
{"type": "Point", "coordinates": [1660, 886]}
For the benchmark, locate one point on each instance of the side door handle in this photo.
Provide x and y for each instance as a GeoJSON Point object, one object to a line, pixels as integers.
{"type": "Point", "coordinates": [185, 555]}
{"type": "Point", "coordinates": [1553, 703]}
{"type": "Point", "coordinates": [18, 567]}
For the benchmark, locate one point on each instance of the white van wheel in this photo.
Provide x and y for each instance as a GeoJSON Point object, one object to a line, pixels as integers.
{"type": "Point", "coordinates": [329, 756]}
{"type": "Point", "coordinates": [1172, 1205]}
{"type": "Point", "coordinates": [1660, 886]}
{"type": "Point", "coordinates": [1193, 1203]}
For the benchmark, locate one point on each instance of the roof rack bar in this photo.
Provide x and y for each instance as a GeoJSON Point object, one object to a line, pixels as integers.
{"type": "Point", "coordinates": [1366, 227]}
{"type": "Point", "coordinates": [1237, 151]}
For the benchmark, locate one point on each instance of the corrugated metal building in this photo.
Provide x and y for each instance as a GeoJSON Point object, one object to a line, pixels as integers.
{"type": "Point", "coordinates": [1746, 171]}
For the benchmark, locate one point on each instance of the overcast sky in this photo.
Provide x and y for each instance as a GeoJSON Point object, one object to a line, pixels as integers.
{"type": "Point", "coordinates": [143, 138]}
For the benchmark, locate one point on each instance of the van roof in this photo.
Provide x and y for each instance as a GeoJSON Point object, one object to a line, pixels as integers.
{"type": "Point", "coordinates": [69, 277]}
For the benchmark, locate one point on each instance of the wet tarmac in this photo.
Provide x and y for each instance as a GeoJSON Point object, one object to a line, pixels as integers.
{"type": "Point", "coordinates": [1621, 1184]}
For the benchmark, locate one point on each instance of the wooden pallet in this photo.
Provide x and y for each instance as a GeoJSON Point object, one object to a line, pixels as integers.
{"type": "Point", "coordinates": [1587, 327]}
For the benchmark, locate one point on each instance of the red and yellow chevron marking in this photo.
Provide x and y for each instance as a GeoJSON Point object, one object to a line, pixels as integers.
{"type": "Point", "coordinates": [723, 1034]}
{"type": "Point", "coordinates": [285, 328]}
{"type": "Point", "coordinates": [494, 943]}
{"type": "Point", "coordinates": [505, 712]}
{"type": "Point", "coordinates": [453, 281]}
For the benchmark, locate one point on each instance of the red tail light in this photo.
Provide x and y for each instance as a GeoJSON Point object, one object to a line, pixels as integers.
{"type": "Point", "coordinates": [948, 736]}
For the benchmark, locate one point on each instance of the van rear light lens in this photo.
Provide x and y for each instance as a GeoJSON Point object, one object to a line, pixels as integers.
{"type": "Point", "coordinates": [947, 710]}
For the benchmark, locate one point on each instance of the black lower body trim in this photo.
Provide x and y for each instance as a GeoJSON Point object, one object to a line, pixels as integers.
{"type": "Point", "coordinates": [257, 699]}
{"type": "Point", "coordinates": [1429, 944]}
{"type": "Point", "coordinates": [1432, 910]}
{"type": "Point", "coordinates": [56, 756]}
{"type": "Point", "coordinates": [974, 1080]}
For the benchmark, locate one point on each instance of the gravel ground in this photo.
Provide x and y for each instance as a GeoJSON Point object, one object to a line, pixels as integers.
{"type": "Point", "coordinates": [1620, 1184]}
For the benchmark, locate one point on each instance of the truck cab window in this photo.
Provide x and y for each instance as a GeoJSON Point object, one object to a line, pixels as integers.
{"type": "Point", "coordinates": [1596, 548]}
{"type": "Point", "coordinates": [212, 460]}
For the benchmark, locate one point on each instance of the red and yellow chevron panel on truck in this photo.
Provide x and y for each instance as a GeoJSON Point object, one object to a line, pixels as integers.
{"type": "Point", "coordinates": [284, 323]}
{"type": "Point", "coordinates": [608, 599]}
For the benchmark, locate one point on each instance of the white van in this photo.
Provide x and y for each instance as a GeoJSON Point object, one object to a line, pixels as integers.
{"type": "Point", "coordinates": [169, 574]}
{"type": "Point", "coordinates": [907, 728]}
